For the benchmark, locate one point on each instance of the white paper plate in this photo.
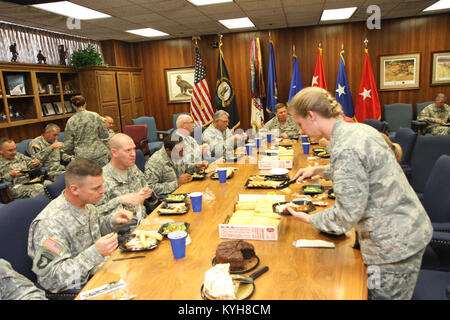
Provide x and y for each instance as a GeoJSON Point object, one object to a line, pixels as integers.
{"type": "Point", "coordinates": [279, 171]}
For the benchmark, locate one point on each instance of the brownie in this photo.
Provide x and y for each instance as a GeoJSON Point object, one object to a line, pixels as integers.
{"type": "Point", "coordinates": [234, 252]}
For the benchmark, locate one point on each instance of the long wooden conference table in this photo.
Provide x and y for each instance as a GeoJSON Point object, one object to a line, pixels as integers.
{"type": "Point", "coordinates": [294, 273]}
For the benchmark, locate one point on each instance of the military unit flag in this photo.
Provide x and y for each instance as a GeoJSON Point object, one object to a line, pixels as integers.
{"type": "Point", "coordinates": [256, 84]}
{"type": "Point", "coordinates": [225, 99]}
{"type": "Point", "coordinates": [296, 80]}
{"type": "Point", "coordinates": [343, 94]}
{"type": "Point", "coordinates": [272, 83]}
{"type": "Point", "coordinates": [201, 107]}
{"type": "Point", "coordinates": [367, 103]}
{"type": "Point", "coordinates": [318, 79]}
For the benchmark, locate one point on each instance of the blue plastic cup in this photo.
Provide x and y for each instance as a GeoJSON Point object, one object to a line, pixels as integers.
{"type": "Point", "coordinates": [304, 138]}
{"type": "Point", "coordinates": [258, 142]}
{"type": "Point", "coordinates": [269, 137]}
{"type": "Point", "coordinates": [249, 149]}
{"type": "Point", "coordinates": [305, 147]}
{"type": "Point", "coordinates": [222, 173]}
{"type": "Point", "coordinates": [196, 201]}
{"type": "Point", "coordinates": [178, 243]}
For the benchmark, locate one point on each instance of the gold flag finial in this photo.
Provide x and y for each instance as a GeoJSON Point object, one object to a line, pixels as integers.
{"type": "Point", "coordinates": [342, 46]}
{"type": "Point", "coordinates": [320, 44]}
{"type": "Point", "coordinates": [366, 42]}
{"type": "Point", "coordinates": [196, 38]}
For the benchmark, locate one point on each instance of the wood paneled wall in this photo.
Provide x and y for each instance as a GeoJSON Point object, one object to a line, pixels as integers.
{"type": "Point", "coordinates": [420, 34]}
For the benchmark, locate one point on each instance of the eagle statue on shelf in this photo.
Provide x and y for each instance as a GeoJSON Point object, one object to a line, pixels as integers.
{"type": "Point", "coordinates": [185, 86]}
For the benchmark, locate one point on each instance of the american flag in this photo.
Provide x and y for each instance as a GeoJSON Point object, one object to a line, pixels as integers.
{"type": "Point", "coordinates": [201, 107]}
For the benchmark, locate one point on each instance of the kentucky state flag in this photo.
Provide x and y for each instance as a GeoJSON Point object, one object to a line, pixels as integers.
{"type": "Point", "coordinates": [272, 83]}
{"type": "Point", "coordinates": [296, 81]}
{"type": "Point", "coordinates": [343, 94]}
{"type": "Point", "coordinates": [256, 85]}
{"type": "Point", "coordinates": [225, 99]}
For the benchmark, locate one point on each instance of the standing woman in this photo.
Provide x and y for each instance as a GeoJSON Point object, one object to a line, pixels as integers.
{"type": "Point", "coordinates": [372, 195]}
{"type": "Point", "coordinates": [86, 135]}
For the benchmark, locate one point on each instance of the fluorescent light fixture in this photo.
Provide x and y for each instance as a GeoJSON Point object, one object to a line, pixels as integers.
{"type": "Point", "coordinates": [72, 10]}
{"type": "Point", "coordinates": [148, 32]}
{"type": "Point", "coordinates": [238, 23]}
{"type": "Point", "coordinates": [207, 2]}
{"type": "Point", "coordinates": [440, 5]}
{"type": "Point", "coordinates": [337, 14]}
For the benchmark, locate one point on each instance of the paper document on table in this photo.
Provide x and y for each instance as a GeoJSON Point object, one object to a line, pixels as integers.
{"type": "Point", "coordinates": [302, 243]}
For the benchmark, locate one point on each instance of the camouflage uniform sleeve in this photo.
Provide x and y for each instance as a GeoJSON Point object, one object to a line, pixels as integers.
{"type": "Point", "coordinates": [108, 203]}
{"type": "Point", "coordinates": [269, 124]}
{"type": "Point", "coordinates": [53, 262]}
{"type": "Point", "coordinates": [326, 172]}
{"type": "Point", "coordinates": [351, 186]}
{"type": "Point", "coordinates": [154, 173]}
{"type": "Point", "coordinates": [41, 154]}
{"type": "Point", "coordinates": [292, 129]}
{"type": "Point", "coordinates": [427, 115]}
{"type": "Point", "coordinates": [214, 143]}
{"type": "Point", "coordinates": [15, 286]}
{"type": "Point", "coordinates": [69, 144]}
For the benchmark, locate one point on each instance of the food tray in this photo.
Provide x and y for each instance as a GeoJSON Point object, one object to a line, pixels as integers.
{"type": "Point", "coordinates": [280, 178]}
{"type": "Point", "coordinates": [317, 151]}
{"type": "Point", "coordinates": [161, 230]}
{"type": "Point", "coordinates": [168, 205]}
{"type": "Point", "coordinates": [199, 176]}
{"type": "Point", "coordinates": [331, 194]}
{"type": "Point", "coordinates": [175, 201]}
{"type": "Point", "coordinates": [312, 193]}
{"type": "Point", "coordinates": [299, 202]}
{"type": "Point", "coordinates": [129, 237]}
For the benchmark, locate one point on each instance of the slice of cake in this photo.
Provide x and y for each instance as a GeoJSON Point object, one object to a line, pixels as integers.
{"type": "Point", "coordinates": [218, 283]}
{"type": "Point", "coordinates": [234, 252]}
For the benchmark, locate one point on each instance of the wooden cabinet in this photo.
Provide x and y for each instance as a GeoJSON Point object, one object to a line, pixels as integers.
{"type": "Point", "coordinates": [114, 91]}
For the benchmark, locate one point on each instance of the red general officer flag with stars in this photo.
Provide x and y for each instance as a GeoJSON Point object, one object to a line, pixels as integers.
{"type": "Point", "coordinates": [367, 103]}
{"type": "Point", "coordinates": [201, 107]}
{"type": "Point", "coordinates": [318, 79]}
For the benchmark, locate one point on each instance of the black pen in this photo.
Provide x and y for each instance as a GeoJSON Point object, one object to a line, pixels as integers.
{"type": "Point", "coordinates": [135, 257]}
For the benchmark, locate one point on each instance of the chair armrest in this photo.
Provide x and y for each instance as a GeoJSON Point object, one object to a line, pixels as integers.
{"type": "Point", "coordinates": [44, 170]}
{"type": "Point", "coordinates": [419, 122]}
{"type": "Point", "coordinates": [5, 184]}
{"type": "Point", "coordinates": [441, 244]}
{"type": "Point", "coordinates": [170, 131]}
{"type": "Point", "coordinates": [441, 226]}
{"type": "Point", "coordinates": [163, 132]}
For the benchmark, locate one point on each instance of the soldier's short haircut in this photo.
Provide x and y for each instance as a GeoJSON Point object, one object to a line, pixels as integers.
{"type": "Point", "coordinates": [279, 106]}
{"type": "Point", "coordinates": [172, 140]}
{"type": "Point", "coordinates": [79, 169]}
{"type": "Point", "coordinates": [3, 140]}
{"type": "Point", "coordinates": [78, 101]}
{"type": "Point", "coordinates": [182, 118]}
{"type": "Point", "coordinates": [440, 96]}
{"type": "Point", "coordinates": [52, 126]}
{"type": "Point", "coordinates": [219, 114]}
{"type": "Point", "coordinates": [315, 99]}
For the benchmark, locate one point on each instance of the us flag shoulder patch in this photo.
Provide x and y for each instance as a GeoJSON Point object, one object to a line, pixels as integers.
{"type": "Point", "coordinates": [53, 245]}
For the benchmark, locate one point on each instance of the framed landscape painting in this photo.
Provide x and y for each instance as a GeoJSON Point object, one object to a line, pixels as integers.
{"type": "Point", "coordinates": [400, 72]}
{"type": "Point", "coordinates": [440, 72]}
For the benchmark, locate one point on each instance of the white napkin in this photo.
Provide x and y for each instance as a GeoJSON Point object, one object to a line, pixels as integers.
{"type": "Point", "coordinates": [303, 243]}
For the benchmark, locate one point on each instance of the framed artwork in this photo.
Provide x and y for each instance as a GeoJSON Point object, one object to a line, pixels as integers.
{"type": "Point", "coordinates": [440, 69]}
{"type": "Point", "coordinates": [47, 109]}
{"type": "Point", "coordinates": [58, 107]}
{"type": "Point", "coordinates": [68, 106]}
{"type": "Point", "coordinates": [400, 72]}
{"type": "Point", "coordinates": [179, 83]}
{"type": "Point", "coordinates": [16, 84]}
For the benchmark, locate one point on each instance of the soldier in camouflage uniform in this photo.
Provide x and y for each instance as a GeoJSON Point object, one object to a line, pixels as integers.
{"type": "Point", "coordinates": [11, 164]}
{"type": "Point", "coordinates": [220, 138]}
{"type": "Point", "coordinates": [165, 170]}
{"type": "Point", "coordinates": [125, 185]}
{"type": "Point", "coordinates": [283, 122]}
{"type": "Point", "coordinates": [49, 152]}
{"type": "Point", "coordinates": [435, 115]}
{"type": "Point", "coordinates": [109, 124]}
{"type": "Point", "coordinates": [372, 195]}
{"type": "Point", "coordinates": [69, 241]}
{"type": "Point", "coordinates": [14, 286]}
{"type": "Point", "coordinates": [193, 152]}
{"type": "Point", "coordinates": [86, 135]}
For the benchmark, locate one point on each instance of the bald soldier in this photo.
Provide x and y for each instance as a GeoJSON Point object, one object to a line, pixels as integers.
{"type": "Point", "coordinates": [69, 241]}
{"type": "Point", "coordinates": [125, 185]}
{"type": "Point", "coordinates": [109, 124]}
{"type": "Point", "coordinates": [49, 152]}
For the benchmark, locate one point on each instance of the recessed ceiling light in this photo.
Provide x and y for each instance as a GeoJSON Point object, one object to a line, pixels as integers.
{"type": "Point", "coordinates": [207, 2]}
{"type": "Point", "coordinates": [237, 23]}
{"type": "Point", "coordinates": [72, 10]}
{"type": "Point", "coordinates": [337, 14]}
{"type": "Point", "coordinates": [148, 32]}
{"type": "Point", "coordinates": [440, 5]}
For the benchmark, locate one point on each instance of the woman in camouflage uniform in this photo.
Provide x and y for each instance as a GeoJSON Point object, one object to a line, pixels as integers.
{"type": "Point", "coordinates": [372, 195]}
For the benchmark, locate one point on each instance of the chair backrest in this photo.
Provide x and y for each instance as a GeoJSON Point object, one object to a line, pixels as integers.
{"type": "Point", "coordinates": [421, 105]}
{"type": "Point", "coordinates": [427, 150]}
{"type": "Point", "coordinates": [406, 138]}
{"type": "Point", "coordinates": [151, 127]}
{"type": "Point", "coordinates": [377, 124]}
{"type": "Point", "coordinates": [140, 160]}
{"type": "Point", "coordinates": [15, 220]}
{"type": "Point", "coordinates": [61, 136]}
{"type": "Point", "coordinates": [22, 146]}
{"type": "Point", "coordinates": [138, 132]}
{"type": "Point", "coordinates": [398, 115]}
{"type": "Point", "coordinates": [53, 190]}
{"type": "Point", "coordinates": [436, 198]}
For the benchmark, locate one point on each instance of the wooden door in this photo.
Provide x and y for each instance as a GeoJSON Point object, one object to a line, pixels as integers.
{"type": "Point", "coordinates": [108, 100]}
{"type": "Point", "coordinates": [125, 97]}
{"type": "Point", "coordinates": [138, 95]}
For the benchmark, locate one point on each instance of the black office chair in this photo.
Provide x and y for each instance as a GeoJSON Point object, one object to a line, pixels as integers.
{"type": "Point", "coordinates": [406, 138]}
{"type": "Point", "coordinates": [381, 126]}
{"type": "Point", "coordinates": [54, 189]}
